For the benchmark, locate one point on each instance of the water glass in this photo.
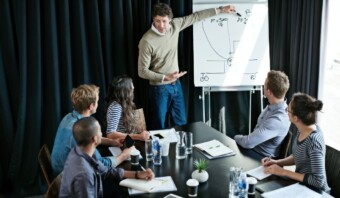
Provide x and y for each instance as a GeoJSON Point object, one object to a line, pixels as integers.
{"type": "Point", "coordinates": [188, 139]}
{"type": "Point", "coordinates": [165, 147]}
{"type": "Point", "coordinates": [180, 146]}
{"type": "Point", "coordinates": [148, 150]}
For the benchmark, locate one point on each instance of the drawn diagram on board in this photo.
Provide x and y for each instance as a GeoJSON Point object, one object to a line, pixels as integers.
{"type": "Point", "coordinates": [231, 49]}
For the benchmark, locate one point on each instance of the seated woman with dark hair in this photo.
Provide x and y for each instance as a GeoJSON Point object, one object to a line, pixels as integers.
{"type": "Point", "coordinates": [120, 118]}
{"type": "Point", "coordinates": [308, 146]}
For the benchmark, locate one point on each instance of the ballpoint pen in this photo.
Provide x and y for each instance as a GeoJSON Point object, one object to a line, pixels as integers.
{"type": "Point", "coordinates": [268, 159]}
{"type": "Point", "coordinates": [143, 169]}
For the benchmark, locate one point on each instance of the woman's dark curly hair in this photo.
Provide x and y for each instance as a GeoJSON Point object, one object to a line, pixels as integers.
{"type": "Point", "coordinates": [305, 107]}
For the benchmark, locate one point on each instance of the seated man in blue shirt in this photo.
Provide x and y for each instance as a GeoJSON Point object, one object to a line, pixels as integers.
{"type": "Point", "coordinates": [273, 123]}
{"type": "Point", "coordinates": [85, 102]}
{"type": "Point", "coordinates": [83, 173]}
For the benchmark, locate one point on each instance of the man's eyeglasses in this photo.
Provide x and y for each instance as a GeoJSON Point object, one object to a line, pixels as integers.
{"type": "Point", "coordinates": [288, 110]}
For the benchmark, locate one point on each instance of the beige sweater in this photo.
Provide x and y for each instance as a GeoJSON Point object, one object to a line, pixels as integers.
{"type": "Point", "coordinates": [158, 53]}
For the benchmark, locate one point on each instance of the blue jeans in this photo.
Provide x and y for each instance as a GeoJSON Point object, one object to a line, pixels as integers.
{"type": "Point", "coordinates": [167, 100]}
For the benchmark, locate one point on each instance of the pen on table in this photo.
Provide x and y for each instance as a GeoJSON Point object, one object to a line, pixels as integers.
{"type": "Point", "coordinates": [238, 14]}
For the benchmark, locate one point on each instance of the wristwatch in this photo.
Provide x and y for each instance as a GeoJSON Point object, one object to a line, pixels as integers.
{"type": "Point", "coordinates": [221, 8]}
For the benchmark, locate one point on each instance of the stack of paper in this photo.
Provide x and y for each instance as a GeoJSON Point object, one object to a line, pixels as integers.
{"type": "Point", "coordinates": [168, 135]}
{"type": "Point", "coordinates": [294, 190]}
{"type": "Point", "coordinates": [214, 149]}
{"type": "Point", "coordinates": [115, 151]}
{"type": "Point", "coordinates": [158, 184]}
{"type": "Point", "coordinates": [258, 173]}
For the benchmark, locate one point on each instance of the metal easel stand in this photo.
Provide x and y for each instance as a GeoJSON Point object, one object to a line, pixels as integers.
{"type": "Point", "coordinates": [207, 90]}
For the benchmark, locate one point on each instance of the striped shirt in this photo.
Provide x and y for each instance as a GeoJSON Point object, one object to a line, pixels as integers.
{"type": "Point", "coordinates": [114, 118]}
{"type": "Point", "coordinates": [309, 157]}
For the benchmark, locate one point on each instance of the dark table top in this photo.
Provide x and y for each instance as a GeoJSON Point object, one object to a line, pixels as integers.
{"type": "Point", "coordinates": [218, 182]}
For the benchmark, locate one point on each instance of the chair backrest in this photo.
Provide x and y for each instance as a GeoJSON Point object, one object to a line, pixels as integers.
{"type": "Point", "coordinates": [44, 158]}
{"type": "Point", "coordinates": [53, 189]}
{"type": "Point", "coordinates": [333, 170]}
{"type": "Point", "coordinates": [285, 145]}
{"type": "Point", "coordinates": [139, 114]}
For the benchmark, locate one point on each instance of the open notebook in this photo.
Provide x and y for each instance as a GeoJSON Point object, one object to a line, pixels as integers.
{"type": "Point", "coordinates": [214, 149]}
{"type": "Point", "coordinates": [158, 184]}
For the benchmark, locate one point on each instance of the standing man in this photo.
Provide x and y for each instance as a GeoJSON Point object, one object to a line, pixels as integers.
{"type": "Point", "coordinates": [83, 173]}
{"type": "Point", "coordinates": [85, 102]}
{"type": "Point", "coordinates": [273, 123]}
{"type": "Point", "coordinates": [158, 62]}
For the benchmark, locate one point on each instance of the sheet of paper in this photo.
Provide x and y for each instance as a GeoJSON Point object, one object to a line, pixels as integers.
{"type": "Point", "coordinates": [258, 173]}
{"type": "Point", "coordinates": [290, 168]}
{"type": "Point", "coordinates": [116, 151]}
{"type": "Point", "coordinates": [294, 190]}
{"type": "Point", "coordinates": [167, 184]}
{"type": "Point", "coordinates": [269, 186]}
{"type": "Point", "coordinates": [168, 134]}
{"type": "Point", "coordinates": [172, 196]}
{"type": "Point", "coordinates": [141, 184]}
{"type": "Point", "coordinates": [214, 148]}
{"type": "Point", "coordinates": [207, 155]}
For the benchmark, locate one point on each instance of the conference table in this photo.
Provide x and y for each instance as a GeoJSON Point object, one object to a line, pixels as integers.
{"type": "Point", "coordinates": [218, 183]}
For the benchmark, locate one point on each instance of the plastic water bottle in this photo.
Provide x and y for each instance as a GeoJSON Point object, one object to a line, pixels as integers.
{"type": "Point", "coordinates": [231, 179]}
{"type": "Point", "coordinates": [157, 151]}
{"type": "Point", "coordinates": [243, 186]}
{"type": "Point", "coordinates": [234, 175]}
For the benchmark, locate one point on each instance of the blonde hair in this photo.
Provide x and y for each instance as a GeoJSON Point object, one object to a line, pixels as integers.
{"type": "Point", "coordinates": [83, 96]}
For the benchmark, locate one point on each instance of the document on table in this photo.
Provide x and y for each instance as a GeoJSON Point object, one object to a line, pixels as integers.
{"type": "Point", "coordinates": [214, 149]}
{"type": "Point", "coordinates": [158, 184]}
{"type": "Point", "coordinates": [117, 151]}
{"type": "Point", "coordinates": [294, 190]}
{"type": "Point", "coordinates": [167, 134]}
{"type": "Point", "coordinates": [290, 168]}
{"type": "Point", "coordinates": [258, 173]}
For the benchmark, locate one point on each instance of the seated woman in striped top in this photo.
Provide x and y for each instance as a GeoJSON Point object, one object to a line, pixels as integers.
{"type": "Point", "coordinates": [308, 145]}
{"type": "Point", "coordinates": [120, 119]}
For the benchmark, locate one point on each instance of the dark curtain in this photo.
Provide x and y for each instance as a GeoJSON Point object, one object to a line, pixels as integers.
{"type": "Point", "coordinates": [294, 37]}
{"type": "Point", "coordinates": [48, 47]}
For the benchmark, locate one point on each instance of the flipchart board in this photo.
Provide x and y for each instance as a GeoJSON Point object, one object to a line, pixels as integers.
{"type": "Point", "coordinates": [231, 50]}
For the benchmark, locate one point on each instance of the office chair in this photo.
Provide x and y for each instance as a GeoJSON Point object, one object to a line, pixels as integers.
{"type": "Point", "coordinates": [44, 159]}
{"type": "Point", "coordinates": [53, 189]}
{"type": "Point", "coordinates": [285, 145]}
{"type": "Point", "coordinates": [333, 170]}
